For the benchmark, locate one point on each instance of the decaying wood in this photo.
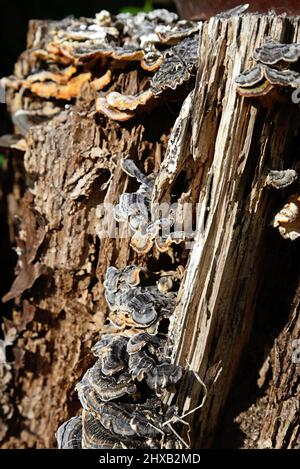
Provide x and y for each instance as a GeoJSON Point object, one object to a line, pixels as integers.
{"type": "Point", "coordinates": [233, 142]}
{"type": "Point", "coordinates": [227, 145]}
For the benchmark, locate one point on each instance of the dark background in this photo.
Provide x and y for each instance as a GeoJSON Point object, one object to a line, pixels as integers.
{"type": "Point", "coordinates": [15, 14]}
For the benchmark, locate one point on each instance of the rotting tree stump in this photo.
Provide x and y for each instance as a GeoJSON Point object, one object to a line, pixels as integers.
{"type": "Point", "coordinates": [228, 145]}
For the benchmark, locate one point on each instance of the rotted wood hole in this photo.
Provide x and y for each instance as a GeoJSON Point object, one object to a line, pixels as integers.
{"type": "Point", "coordinates": [164, 337]}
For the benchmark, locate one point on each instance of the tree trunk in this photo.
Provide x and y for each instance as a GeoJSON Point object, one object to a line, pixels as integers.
{"type": "Point", "coordinates": [237, 272]}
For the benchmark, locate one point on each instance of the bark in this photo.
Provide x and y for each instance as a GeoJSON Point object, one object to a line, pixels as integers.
{"type": "Point", "coordinates": [280, 428]}
{"type": "Point", "coordinates": [228, 145]}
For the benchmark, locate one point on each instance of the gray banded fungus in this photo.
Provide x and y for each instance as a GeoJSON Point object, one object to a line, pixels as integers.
{"type": "Point", "coordinates": [116, 419]}
{"type": "Point", "coordinates": [106, 387]}
{"type": "Point", "coordinates": [128, 363]}
{"type": "Point", "coordinates": [138, 341]}
{"type": "Point", "coordinates": [171, 35]}
{"type": "Point", "coordinates": [112, 353]}
{"type": "Point", "coordinates": [178, 66]}
{"type": "Point", "coordinates": [69, 434]}
{"type": "Point", "coordinates": [132, 205]}
{"type": "Point", "coordinates": [107, 424]}
{"type": "Point", "coordinates": [261, 79]}
{"type": "Point", "coordinates": [142, 244]}
{"type": "Point", "coordinates": [141, 304]}
{"type": "Point", "coordinates": [89, 398]}
{"type": "Point", "coordinates": [272, 52]}
{"type": "Point", "coordinates": [281, 179]}
{"type": "Point", "coordinates": [139, 208]}
{"type": "Point", "coordinates": [152, 60]}
{"type": "Point", "coordinates": [127, 420]}
{"type": "Point", "coordinates": [145, 304]}
{"type": "Point", "coordinates": [139, 364]}
{"type": "Point", "coordinates": [158, 375]}
{"type": "Point", "coordinates": [112, 279]}
{"type": "Point", "coordinates": [96, 436]}
{"type": "Point", "coordinates": [165, 284]}
{"type": "Point", "coordinates": [130, 168]}
{"type": "Point", "coordinates": [92, 52]}
{"type": "Point", "coordinates": [129, 276]}
{"type": "Point", "coordinates": [132, 275]}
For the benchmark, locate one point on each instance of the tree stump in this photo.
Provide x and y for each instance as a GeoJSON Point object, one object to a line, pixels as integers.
{"type": "Point", "coordinates": [237, 270]}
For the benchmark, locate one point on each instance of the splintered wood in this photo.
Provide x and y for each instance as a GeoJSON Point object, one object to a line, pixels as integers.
{"type": "Point", "coordinates": [113, 115]}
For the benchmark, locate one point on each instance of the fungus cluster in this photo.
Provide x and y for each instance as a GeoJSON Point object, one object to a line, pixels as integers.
{"type": "Point", "coordinates": [139, 209]}
{"type": "Point", "coordinates": [275, 71]}
{"type": "Point", "coordinates": [95, 52]}
{"type": "Point", "coordinates": [121, 394]}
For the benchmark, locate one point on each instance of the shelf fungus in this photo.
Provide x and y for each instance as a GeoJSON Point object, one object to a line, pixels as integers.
{"type": "Point", "coordinates": [288, 219]}
{"type": "Point", "coordinates": [69, 434]}
{"type": "Point", "coordinates": [273, 52]}
{"type": "Point", "coordinates": [132, 363]}
{"type": "Point", "coordinates": [139, 211]}
{"type": "Point", "coordinates": [119, 107]}
{"type": "Point", "coordinates": [96, 386]}
{"type": "Point", "coordinates": [273, 71]}
{"type": "Point", "coordinates": [96, 436]}
{"type": "Point", "coordinates": [262, 79]}
{"type": "Point", "coordinates": [173, 68]}
{"type": "Point", "coordinates": [281, 179]}
{"type": "Point", "coordinates": [178, 66]}
{"type": "Point", "coordinates": [171, 35]}
{"type": "Point", "coordinates": [127, 103]}
{"type": "Point", "coordinates": [111, 351]}
{"type": "Point", "coordinates": [72, 54]}
{"type": "Point", "coordinates": [114, 114]}
{"type": "Point", "coordinates": [61, 92]}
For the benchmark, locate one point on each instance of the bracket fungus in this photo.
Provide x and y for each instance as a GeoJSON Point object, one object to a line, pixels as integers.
{"type": "Point", "coordinates": [139, 211]}
{"type": "Point", "coordinates": [178, 66]}
{"type": "Point", "coordinates": [128, 103]}
{"type": "Point", "coordinates": [112, 353]}
{"type": "Point", "coordinates": [272, 70]}
{"type": "Point", "coordinates": [273, 52]}
{"type": "Point", "coordinates": [287, 220]}
{"type": "Point", "coordinates": [129, 360]}
{"type": "Point", "coordinates": [127, 64]}
{"type": "Point", "coordinates": [261, 79]}
{"type": "Point", "coordinates": [96, 436]}
{"type": "Point", "coordinates": [77, 52]}
{"type": "Point", "coordinates": [281, 179]}
{"type": "Point", "coordinates": [69, 434]}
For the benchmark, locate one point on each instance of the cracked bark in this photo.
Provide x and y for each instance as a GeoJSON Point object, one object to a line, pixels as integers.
{"type": "Point", "coordinates": [230, 144]}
